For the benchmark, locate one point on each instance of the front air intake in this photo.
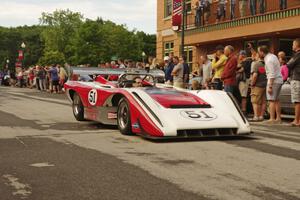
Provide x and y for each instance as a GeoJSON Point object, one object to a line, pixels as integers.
{"type": "Point", "coordinates": [207, 132]}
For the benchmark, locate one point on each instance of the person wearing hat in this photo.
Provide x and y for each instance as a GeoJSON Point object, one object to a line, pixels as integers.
{"type": "Point", "coordinates": [218, 65]}
{"type": "Point", "coordinates": [169, 66]}
{"type": "Point", "coordinates": [243, 77]}
{"type": "Point", "coordinates": [166, 63]}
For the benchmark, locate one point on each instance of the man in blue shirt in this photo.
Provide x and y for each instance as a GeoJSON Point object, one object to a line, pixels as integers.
{"type": "Point", "coordinates": [54, 79]}
{"type": "Point", "coordinates": [168, 72]}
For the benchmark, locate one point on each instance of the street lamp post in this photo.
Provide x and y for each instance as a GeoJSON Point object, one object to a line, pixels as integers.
{"type": "Point", "coordinates": [23, 46]}
{"type": "Point", "coordinates": [183, 26]}
{"type": "Point", "coordinates": [7, 63]}
{"type": "Point", "coordinates": [143, 55]}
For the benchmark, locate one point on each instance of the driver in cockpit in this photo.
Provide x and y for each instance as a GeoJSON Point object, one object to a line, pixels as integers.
{"type": "Point", "coordinates": [138, 82]}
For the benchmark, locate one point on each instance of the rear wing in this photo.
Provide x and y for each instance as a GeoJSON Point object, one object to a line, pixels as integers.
{"type": "Point", "coordinates": [91, 71]}
{"type": "Point", "coordinates": [117, 72]}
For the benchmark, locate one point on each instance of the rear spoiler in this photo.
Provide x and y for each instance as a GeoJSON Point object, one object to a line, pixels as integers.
{"type": "Point", "coordinates": [89, 71]}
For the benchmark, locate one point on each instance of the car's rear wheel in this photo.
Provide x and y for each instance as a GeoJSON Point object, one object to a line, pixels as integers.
{"type": "Point", "coordinates": [123, 117]}
{"type": "Point", "coordinates": [78, 109]}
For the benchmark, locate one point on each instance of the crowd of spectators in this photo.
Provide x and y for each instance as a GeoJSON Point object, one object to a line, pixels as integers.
{"type": "Point", "coordinates": [263, 74]}
{"type": "Point", "coordinates": [44, 78]}
{"type": "Point", "coordinates": [203, 9]}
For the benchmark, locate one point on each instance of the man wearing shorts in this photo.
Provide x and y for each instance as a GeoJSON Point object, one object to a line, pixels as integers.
{"type": "Point", "coordinates": [294, 67]}
{"type": "Point", "coordinates": [244, 70]}
{"type": "Point", "coordinates": [258, 89]}
{"type": "Point", "coordinates": [54, 79]}
{"type": "Point", "coordinates": [274, 84]}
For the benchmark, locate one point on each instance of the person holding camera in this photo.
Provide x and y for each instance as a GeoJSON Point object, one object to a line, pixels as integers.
{"type": "Point", "coordinates": [218, 65]}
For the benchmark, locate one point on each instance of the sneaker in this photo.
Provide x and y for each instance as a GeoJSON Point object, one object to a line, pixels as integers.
{"type": "Point", "coordinates": [261, 118]}
{"type": "Point", "coordinates": [254, 119]}
{"type": "Point", "coordinates": [269, 122]}
{"type": "Point", "coordinates": [293, 124]}
{"type": "Point", "coordinates": [278, 121]}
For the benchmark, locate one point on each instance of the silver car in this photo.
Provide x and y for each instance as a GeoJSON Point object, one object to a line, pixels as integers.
{"type": "Point", "coordinates": [287, 107]}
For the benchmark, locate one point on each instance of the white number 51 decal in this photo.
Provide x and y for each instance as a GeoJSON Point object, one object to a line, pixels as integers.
{"type": "Point", "coordinates": [92, 97]}
{"type": "Point", "coordinates": [199, 115]}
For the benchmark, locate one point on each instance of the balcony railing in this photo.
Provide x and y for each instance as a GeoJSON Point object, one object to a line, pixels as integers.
{"type": "Point", "coordinates": [272, 12]}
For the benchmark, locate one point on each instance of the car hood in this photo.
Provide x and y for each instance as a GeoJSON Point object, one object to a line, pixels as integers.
{"type": "Point", "coordinates": [171, 98]}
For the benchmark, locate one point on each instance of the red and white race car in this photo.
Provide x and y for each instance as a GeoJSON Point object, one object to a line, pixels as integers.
{"type": "Point", "coordinates": [137, 104]}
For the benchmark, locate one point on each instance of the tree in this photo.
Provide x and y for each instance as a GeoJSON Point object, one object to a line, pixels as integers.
{"type": "Point", "coordinates": [60, 27]}
{"type": "Point", "coordinates": [149, 43]}
{"type": "Point", "coordinates": [52, 57]}
{"type": "Point", "coordinates": [66, 36]}
{"type": "Point", "coordinates": [11, 40]}
{"type": "Point", "coordinates": [99, 41]}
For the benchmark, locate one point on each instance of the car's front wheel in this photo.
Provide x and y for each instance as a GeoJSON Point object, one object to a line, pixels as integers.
{"type": "Point", "coordinates": [123, 117]}
{"type": "Point", "coordinates": [78, 109]}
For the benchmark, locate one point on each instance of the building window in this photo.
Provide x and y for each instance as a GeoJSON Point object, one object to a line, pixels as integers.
{"type": "Point", "coordinates": [253, 42]}
{"type": "Point", "coordinates": [188, 5]}
{"type": "Point", "coordinates": [168, 48]}
{"type": "Point", "coordinates": [188, 52]}
{"type": "Point", "coordinates": [286, 46]}
{"type": "Point", "coordinates": [168, 8]}
{"type": "Point", "coordinates": [265, 42]}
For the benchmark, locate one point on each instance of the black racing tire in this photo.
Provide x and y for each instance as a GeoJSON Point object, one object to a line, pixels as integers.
{"type": "Point", "coordinates": [123, 117]}
{"type": "Point", "coordinates": [78, 109]}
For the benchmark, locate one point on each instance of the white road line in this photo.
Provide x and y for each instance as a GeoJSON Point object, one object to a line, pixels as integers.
{"type": "Point", "coordinates": [39, 165]}
{"type": "Point", "coordinates": [279, 143]}
{"type": "Point", "coordinates": [38, 98]}
{"type": "Point", "coordinates": [17, 138]}
{"type": "Point", "coordinates": [21, 189]}
{"type": "Point", "coordinates": [277, 133]}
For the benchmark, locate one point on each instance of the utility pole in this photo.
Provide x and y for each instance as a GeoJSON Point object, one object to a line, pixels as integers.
{"type": "Point", "coordinates": [183, 26]}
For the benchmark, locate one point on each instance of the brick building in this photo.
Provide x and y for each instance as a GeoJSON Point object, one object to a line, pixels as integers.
{"type": "Point", "coordinates": [275, 28]}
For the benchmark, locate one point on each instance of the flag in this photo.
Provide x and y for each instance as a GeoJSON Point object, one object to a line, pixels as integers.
{"type": "Point", "coordinates": [21, 55]}
{"type": "Point", "coordinates": [177, 13]}
{"type": "Point", "coordinates": [18, 64]}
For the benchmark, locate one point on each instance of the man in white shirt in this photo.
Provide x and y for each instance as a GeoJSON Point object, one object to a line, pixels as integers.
{"type": "Point", "coordinates": [206, 71]}
{"type": "Point", "coordinates": [177, 72]}
{"type": "Point", "coordinates": [274, 83]}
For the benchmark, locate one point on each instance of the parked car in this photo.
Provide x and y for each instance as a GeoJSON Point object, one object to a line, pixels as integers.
{"type": "Point", "coordinates": [287, 107]}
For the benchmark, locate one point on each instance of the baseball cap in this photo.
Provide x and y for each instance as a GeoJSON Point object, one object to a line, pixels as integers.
{"type": "Point", "coordinates": [166, 58]}
{"type": "Point", "coordinates": [243, 53]}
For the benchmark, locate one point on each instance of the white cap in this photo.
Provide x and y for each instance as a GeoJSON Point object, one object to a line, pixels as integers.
{"type": "Point", "coordinates": [166, 58]}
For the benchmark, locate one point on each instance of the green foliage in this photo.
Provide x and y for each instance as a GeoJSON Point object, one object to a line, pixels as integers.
{"type": "Point", "coordinates": [11, 40]}
{"type": "Point", "coordinates": [61, 27]}
{"type": "Point", "coordinates": [148, 43]}
{"type": "Point", "coordinates": [65, 36]}
{"type": "Point", "coordinates": [52, 57]}
{"type": "Point", "coordinates": [98, 41]}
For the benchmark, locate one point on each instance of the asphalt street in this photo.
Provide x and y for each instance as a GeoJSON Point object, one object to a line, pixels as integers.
{"type": "Point", "coordinates": [46, 154]}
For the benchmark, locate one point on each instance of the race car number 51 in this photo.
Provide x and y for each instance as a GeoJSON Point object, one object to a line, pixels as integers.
{"type": "Point", "coordinates": [199, 115]}
{"type": "Point", "coordinates": [92, 97]}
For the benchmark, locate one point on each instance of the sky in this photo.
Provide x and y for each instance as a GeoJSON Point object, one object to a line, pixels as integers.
{"type": "Point", "coordinates": [138, 14]}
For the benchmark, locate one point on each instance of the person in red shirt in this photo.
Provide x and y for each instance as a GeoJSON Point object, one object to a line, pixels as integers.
{"type": "Point", "coordinates": [229, 74]}
{"type": "Point", "coordinates": [113, 77]}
